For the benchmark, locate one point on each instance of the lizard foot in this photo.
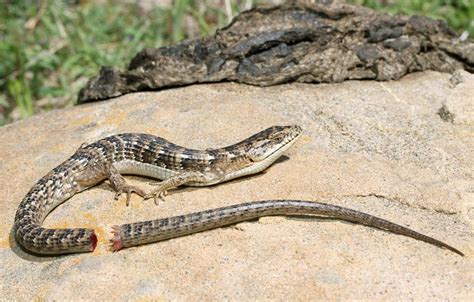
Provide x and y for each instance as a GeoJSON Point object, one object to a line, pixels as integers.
{"type": "Point", "coordinates": [159, 192]}
{"type": "Point", "coordinates": [129, 190]}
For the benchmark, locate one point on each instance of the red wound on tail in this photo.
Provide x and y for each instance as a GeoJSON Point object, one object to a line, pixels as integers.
{"type": "Point", "coordinates": [117, 243]}
{"type": "Point", "coordinates": [93, 240]}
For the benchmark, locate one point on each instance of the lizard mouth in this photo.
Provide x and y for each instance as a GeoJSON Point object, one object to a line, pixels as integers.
{"type": "Point", "coordinates": [283, 147]}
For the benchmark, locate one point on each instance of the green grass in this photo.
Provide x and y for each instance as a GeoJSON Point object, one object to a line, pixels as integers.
{"type": "Point", "coordinates": [459, 14]}
{"type": "Point", "coordinates": [49, 50]}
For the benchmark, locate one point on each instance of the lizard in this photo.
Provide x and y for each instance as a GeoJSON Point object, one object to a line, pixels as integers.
{"type": "Point", "coordinates": [152, 156]}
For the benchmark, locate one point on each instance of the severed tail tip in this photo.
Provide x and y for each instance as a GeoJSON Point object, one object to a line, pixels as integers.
{"type": "Point", "coordinates": [117, 243]}
{"type": "Point", "coordinates": [93, 240]}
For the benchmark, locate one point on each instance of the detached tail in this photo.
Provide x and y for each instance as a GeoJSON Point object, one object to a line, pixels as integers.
{"type": "Point", "coordinates": [132, 234]}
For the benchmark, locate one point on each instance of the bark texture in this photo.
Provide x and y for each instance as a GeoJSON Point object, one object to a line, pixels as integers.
{"type": "Point", "coordinates": [302, 42]}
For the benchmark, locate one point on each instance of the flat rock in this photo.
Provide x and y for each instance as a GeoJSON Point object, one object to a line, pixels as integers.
{"type": "Point", "coordinates": [401, 150]}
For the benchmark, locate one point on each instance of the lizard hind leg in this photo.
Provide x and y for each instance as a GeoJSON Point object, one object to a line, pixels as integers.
{"type": "Point", "coordinates": [120, 185]}
{"type": "Point", "coordinates": [128, 189]}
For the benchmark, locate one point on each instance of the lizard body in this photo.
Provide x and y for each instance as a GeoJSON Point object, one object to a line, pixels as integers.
{"type": "Point", "coordinates": [152, 156]}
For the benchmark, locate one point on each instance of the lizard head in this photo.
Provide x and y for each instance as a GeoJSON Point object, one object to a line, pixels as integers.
{"type": "Point", "coordinates": [269, 144]}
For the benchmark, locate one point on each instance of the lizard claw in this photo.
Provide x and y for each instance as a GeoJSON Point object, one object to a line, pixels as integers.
{"type": "Point", "coordinates": [159, 193]}
{"type": "Point", "coordinates": [129, 190]}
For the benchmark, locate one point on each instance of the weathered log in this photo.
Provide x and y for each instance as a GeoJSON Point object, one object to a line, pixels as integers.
{"type": "Point", "coordinates": [299, 42]}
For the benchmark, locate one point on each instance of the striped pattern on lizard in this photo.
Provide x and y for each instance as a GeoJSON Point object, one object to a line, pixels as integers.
{"type": "Point", "coordinates": [152, 156]}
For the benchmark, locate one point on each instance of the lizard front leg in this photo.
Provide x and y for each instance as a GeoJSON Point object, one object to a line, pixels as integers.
{"type": "Point", "coordinates": [175, 181]}
{"type": "Point", "coordinates": [120, 185]}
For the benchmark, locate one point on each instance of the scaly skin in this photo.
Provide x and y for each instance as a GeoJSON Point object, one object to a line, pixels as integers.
{"type": "Point", "coordinates": [152, 156]}
{"type": "Point", "coordinates": [141, 154]}
{"type": "Point", "coordinates": [137, 233]}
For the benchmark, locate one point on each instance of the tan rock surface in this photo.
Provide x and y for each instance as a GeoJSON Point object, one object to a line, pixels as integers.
{"type": "Point", "coordinates": [380, 147]}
